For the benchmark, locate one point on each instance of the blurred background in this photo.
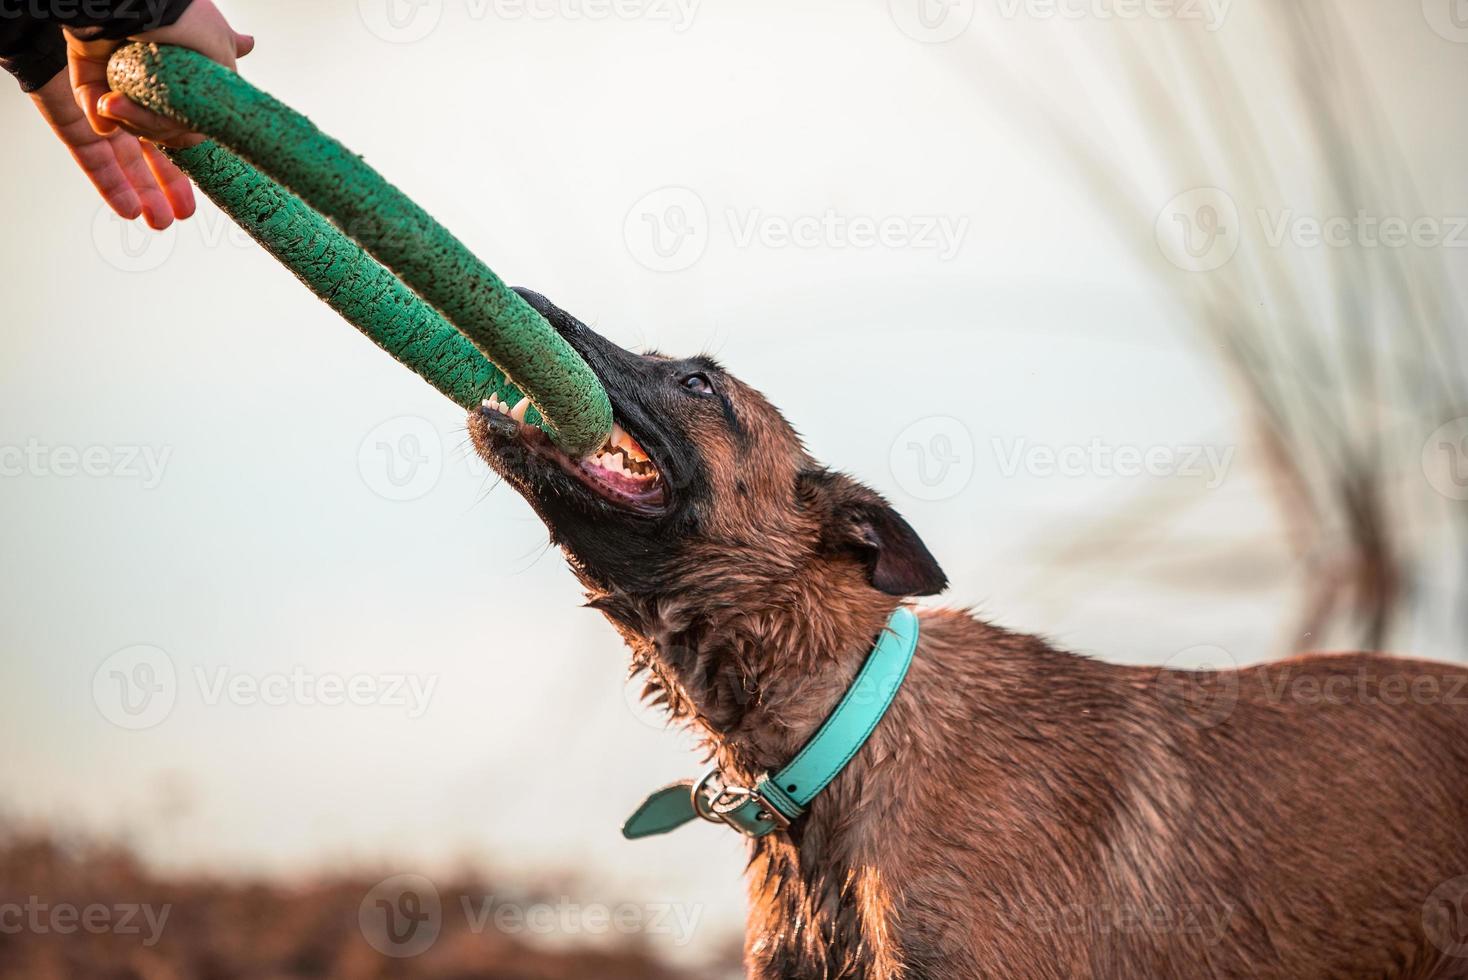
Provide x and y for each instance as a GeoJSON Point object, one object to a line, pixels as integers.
{"type": "Point", "coordinates": [1148, 315]}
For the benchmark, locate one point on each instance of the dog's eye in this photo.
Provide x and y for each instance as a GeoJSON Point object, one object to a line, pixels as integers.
{"type": "Point", "coordinates": [699, 384]}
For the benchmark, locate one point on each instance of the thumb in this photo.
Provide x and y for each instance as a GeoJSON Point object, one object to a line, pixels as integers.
{"type": "Point", "coordinates": [243, 44]}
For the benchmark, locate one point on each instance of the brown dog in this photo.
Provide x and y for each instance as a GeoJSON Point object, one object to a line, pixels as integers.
{"type": "Point", "coordinates": [1020, 812]}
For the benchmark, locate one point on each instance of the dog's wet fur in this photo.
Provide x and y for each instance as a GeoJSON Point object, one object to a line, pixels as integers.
{"type": "Point", "coordinates": [1021, 811]}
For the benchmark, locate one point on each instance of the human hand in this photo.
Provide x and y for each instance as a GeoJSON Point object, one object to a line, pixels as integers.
{"type": "Point", "coordinates": [132, 175]}
{"type": "Point", "coordinates": [201, 27]}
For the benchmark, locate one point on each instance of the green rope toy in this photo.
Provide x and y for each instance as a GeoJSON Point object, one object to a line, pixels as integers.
{"type": "Point", "coordinates": [380, 260]}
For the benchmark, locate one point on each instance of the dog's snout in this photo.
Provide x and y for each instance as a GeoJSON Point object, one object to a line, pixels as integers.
{"type": "Point", "coordinates": [610, 362]}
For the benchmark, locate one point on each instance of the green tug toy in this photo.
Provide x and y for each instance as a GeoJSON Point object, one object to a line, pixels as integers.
{"type": "Point", "coordinates": [364, 247]}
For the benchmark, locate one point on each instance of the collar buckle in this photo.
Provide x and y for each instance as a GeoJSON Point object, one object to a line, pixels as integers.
{"type": "Point", "coordinates": [744, 809]}
{"type": "Point", "coordinates": [776, 801]}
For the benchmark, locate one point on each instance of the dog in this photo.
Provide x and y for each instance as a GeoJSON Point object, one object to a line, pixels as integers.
{"type": "Point", "coordinates": [1020, 812]}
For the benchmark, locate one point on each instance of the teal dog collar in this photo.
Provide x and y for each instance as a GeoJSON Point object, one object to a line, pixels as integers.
{"type": "Point", "coordinates": [776, 801]}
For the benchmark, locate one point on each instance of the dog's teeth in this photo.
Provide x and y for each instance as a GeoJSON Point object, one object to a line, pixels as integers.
{"type": "Point", "coordinates": [619, 439]}
{"type": "Point", "coordinates": [487, 403]}
{"type": "Point", "coordinates": [518, 412]}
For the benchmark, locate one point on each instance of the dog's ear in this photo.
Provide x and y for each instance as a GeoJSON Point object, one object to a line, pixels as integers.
{"type": "Point", "coordinates": [856, 519]}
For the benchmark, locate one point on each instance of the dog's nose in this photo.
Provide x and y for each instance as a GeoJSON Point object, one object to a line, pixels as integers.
{"type": "Point", "coordinates": [606, 358]}
{"type": "Point", "coordinates": [556, 316]}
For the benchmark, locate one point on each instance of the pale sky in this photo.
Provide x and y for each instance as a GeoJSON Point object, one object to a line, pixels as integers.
{"type": "Point", "coordinates": [268, 497]}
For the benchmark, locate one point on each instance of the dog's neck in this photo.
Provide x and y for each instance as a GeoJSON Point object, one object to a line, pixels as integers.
{"type": "Point", "coordinates": [753, 668]}
{"type": "Point", "coordinates": [755, 672]}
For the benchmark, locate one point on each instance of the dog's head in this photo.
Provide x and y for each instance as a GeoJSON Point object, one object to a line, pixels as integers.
{"type": "Point", "coordinates": [702, 484]}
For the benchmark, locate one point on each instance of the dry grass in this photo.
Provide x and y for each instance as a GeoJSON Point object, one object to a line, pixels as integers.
{"type": "Point", "coordinates": [1345, 358]}
{"type": "Point", "coordinates": [221, 930]}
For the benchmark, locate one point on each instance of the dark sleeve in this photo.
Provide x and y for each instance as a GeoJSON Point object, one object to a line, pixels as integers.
{"type": "Point", "coordinates": [33, 49]}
